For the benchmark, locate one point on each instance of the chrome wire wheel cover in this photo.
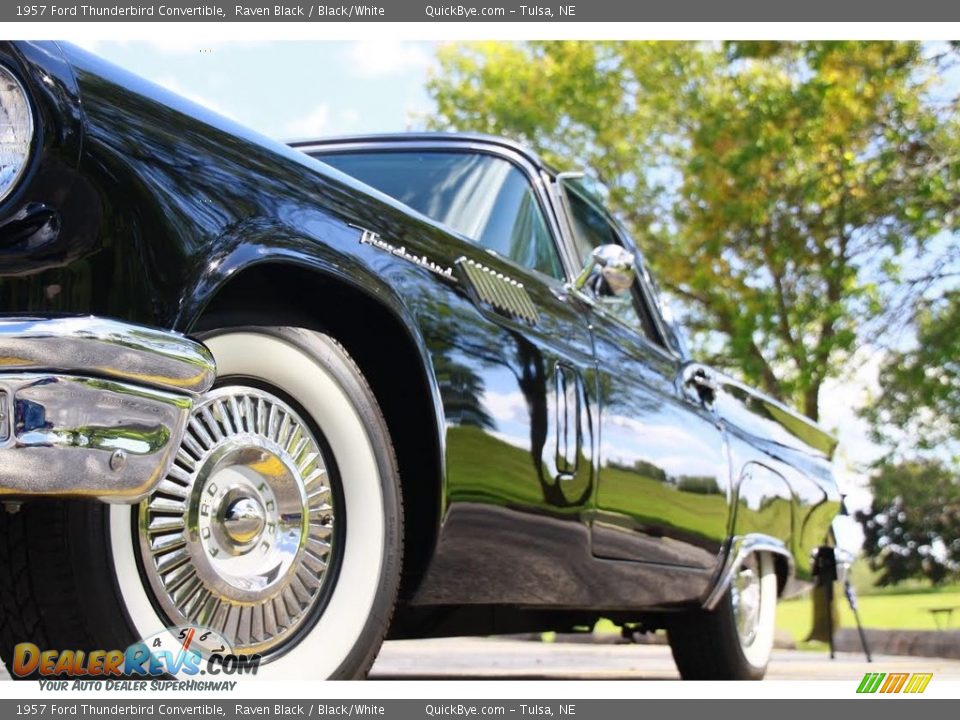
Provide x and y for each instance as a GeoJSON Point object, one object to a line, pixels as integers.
{"type": "Point", "coordinates": [239, 536]}
{"type": "Point", "coordinates": [747, 598]}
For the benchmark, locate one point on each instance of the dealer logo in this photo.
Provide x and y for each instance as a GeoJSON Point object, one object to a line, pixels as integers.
{"type": "Point", "coordinates": [184, 651]}
{"type": "Point", "coordinates": [890, 683]}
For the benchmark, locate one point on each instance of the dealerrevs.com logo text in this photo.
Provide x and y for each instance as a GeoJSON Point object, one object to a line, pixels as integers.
{"type": "Point", "coordinates": [180, 652]}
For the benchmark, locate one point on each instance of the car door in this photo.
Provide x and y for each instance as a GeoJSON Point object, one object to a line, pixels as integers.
{"type": "Point", "coordinates": [512, 351]}
{"type": "Point", "coordinates": [662, 489]}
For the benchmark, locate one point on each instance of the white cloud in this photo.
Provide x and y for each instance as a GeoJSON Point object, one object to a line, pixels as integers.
{"type": "Point", "coordinates": [841, 399]}
{"type": "Point", "coordinates": [673, 464]}
{"type": "Point", "coordinates": [386, 58]}
{"type": "Point", "coordinates": [506, 407]}
{"type": "Point", "coordinates": [517, 441]}
{"type": "Point", "coordinates": [624, 431]}
{"type": "Point", "coordinates": [174, 85]}
{"type": "Point", "coordinates": [321, 121]}
{"type": "Point", "coordinates": [93, 45]}
{"type": "Point", "coordinates": [315, 123]}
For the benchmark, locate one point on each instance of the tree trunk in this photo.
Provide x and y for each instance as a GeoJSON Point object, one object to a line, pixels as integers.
{"type": "Point", "coordinates": [821, 627]}
{"type": "Point", "coordinates": [823, 611]}
{"type": "Point", "coordinates": [811, 402]}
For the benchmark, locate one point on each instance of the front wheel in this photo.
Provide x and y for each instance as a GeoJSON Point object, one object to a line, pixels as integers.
{"type": "Point", "coordinates": [735, 640]}
{"type": "Point", "coordinates": [279, 527]}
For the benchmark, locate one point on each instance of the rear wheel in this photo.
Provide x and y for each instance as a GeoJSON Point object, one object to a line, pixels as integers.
{"type": "Point", "coordinates": [735, 640]}
{"type": "Point", "coordinates": [279, 525]}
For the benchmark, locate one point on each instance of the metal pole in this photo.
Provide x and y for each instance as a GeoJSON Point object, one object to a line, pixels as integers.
{"type": "Point", "coordinates": [852, 600]}
{"type": "Point", "coordinates": [828, 593]}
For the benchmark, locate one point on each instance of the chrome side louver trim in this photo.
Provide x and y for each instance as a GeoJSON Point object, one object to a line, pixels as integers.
{"type": "Point", "coordinates": [502, 293]}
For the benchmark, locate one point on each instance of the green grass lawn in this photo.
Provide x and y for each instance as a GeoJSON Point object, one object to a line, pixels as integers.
{"type": "Point", "coordinates": [907, 610]}
{"type": "Point", "coordinates": [890, 608]}
{"type": "Point", "coordinates": [486, 469]}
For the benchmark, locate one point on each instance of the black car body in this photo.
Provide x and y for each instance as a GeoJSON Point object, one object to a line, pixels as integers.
{"type": "Point", "coordinates": [561, 459]}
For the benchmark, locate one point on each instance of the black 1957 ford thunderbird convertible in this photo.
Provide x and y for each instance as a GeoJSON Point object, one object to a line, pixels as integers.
{"type": "Point", "coordinates": [316, 396]}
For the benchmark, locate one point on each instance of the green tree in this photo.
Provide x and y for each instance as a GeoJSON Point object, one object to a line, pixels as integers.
{"type": "Point", "coordinates": [919, 402]}
{"type": "Point", "coordinates": [776, 188]}
{"type": "Point", "coordinates": [912, 529]}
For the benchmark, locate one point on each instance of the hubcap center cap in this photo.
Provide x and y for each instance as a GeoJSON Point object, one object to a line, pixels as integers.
{"type": "Point", "coordinates": [243, 520]}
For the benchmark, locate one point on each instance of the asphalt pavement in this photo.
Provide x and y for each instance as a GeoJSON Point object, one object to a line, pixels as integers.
{"type": "Point", "coordinates": [493, 658]}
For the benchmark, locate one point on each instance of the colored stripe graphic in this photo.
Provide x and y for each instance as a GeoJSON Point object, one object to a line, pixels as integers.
{"type": "Point", "coordinates": [918, 683]}
{"type": "Point", "coordinates": [894, 682]}
{"type": "Point", "coordinates": [870, 682]}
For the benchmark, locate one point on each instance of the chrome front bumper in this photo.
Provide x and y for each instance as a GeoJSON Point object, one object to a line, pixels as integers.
{"type": "Point", "coordinates": [92, 407]}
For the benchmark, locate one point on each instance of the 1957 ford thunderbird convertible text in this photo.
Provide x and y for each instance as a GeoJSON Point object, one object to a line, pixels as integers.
{"type": "Point", "coordinates": [312, 397]}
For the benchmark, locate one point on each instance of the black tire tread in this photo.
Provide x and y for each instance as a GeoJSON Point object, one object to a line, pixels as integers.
{"type": "Point", "coordinates": [47, 590]}
{"type": "Point", "coordinates": [705, 646]}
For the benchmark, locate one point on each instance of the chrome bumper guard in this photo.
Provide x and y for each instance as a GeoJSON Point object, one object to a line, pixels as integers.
{"type": "Point", "coordinates": [92, 407]}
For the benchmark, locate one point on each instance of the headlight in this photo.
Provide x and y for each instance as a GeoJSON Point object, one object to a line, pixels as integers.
{"type": "Point", "coordinates": [16, 131]}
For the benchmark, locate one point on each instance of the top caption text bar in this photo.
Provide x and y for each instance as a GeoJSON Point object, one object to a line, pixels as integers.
{"type": "Point", "coordinates": [488, 11]}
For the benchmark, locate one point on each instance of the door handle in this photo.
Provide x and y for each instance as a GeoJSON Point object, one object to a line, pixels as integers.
{"type": "Point", "coordinates": [568, 436]}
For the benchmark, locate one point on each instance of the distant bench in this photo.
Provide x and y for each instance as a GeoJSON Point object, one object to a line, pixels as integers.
{"type": "Point", "coordinates": [942, 616]}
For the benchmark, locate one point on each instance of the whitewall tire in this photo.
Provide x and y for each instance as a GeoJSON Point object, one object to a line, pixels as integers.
{"type": "Point", "coordinates": [735, 640]}
{"type": "Point", "coordinates": [314, 383]}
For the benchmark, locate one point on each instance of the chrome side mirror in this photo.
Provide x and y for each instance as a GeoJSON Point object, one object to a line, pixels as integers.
{"type": "Point", "coordinates": [611, 270]}
{"type": "Point", "coordinates": [700, 382]}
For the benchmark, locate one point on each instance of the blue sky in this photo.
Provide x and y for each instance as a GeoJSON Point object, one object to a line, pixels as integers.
{"type": "Point", "coordinates": [290, 89]}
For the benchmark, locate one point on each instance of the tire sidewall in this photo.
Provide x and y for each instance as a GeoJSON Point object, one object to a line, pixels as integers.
{"type": "Point", "coordinates": [756, 656]}
{"type": "Point", "coordinates": [315, 371]}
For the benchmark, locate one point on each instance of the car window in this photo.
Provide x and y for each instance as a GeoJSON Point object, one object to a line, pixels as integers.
{"type": "Point", "coordinates": [485, 198]}
{"type": "Point", "coordinates": [591, 229]}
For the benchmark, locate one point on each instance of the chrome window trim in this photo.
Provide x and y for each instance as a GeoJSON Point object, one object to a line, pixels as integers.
{"type": "Point", "coordinates": [597, 305]}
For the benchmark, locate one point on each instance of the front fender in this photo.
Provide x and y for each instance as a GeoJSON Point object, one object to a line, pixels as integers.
{"type": "Point", "coordinates": [262, 242]}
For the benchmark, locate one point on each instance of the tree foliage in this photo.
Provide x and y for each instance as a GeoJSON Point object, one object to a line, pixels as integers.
{"type": "Point", "coordinates": [776, 188]}
{"type": "Point", "coordinates": [912, 529]}
{"type": "Point", "coordinates": [919, 403]}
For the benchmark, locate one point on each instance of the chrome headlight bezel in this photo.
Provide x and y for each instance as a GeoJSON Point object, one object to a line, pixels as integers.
{"type": "Point", "coordinates": [9, 77]}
